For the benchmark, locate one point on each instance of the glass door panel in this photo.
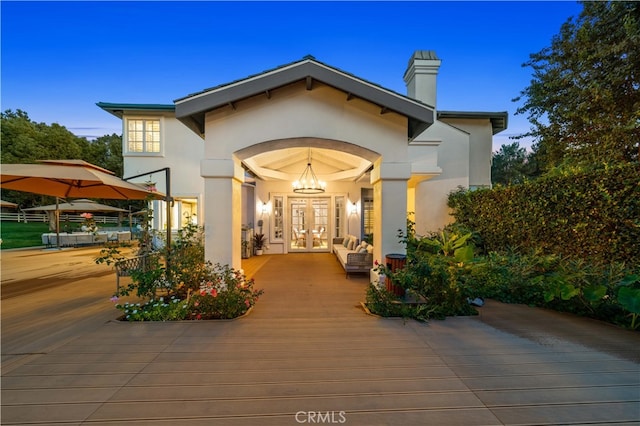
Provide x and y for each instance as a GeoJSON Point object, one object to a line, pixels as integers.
{"type": "Point", "coordinates": [308, 224]}
{"type": "Point", "coordinates": [298, 224]}
{"type": "Point", "coordinates": [318, 231]}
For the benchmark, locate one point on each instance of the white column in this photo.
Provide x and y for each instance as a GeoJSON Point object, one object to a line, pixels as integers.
{"type": "Point", "coordinates": [390, 207]}
{"type": "Point", "coordinates": [222, 218]}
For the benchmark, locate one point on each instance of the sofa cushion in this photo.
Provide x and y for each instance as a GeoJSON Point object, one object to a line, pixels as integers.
{"type": "Point", "coordinates": [351, 244]}
{"type": "Point", "coordinates": [342, 254]}
{"type": "Point", "coordinates": [345, 241]}
{"type": "Point", "coordinates": [370, 249]}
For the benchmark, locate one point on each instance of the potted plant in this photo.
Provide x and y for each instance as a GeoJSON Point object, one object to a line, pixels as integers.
{"type": "Point", "coordinates": [258, 243]}
{"type": "Point", "coordinates": [245, 249]}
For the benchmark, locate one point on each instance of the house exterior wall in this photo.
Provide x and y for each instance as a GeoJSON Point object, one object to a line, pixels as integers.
{"type": "Point", "coordinates": [181, 150]}
{"type": "Point", "coordinates": [480, 148]}
{"type": "Point", "coordinates": [294, 112]}
{"type": "Point", "coordinates": [431, 211]}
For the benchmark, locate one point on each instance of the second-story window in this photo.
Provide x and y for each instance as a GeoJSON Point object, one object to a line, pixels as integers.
{"type": "Point", "coordinates": [143, 136]}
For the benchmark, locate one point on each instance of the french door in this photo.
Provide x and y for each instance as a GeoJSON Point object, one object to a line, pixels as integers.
{"type": "Point", "coordinates": [309, 224]}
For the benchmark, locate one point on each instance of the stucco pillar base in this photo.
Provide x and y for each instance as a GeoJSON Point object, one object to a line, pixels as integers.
{"type": "Point", "coordinates": [390, 204]}
{"type": "Point", "coordinates": [222, 223]}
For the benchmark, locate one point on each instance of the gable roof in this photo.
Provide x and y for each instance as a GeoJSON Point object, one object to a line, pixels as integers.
{"type": "Point", "coordinates": [191, 109]}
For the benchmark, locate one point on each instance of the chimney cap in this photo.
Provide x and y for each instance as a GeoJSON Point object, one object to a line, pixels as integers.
{"type": "Point", "coordinates": [425, 54]}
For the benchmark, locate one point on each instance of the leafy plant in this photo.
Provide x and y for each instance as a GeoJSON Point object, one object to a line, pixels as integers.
{"type": "Point", "coordinates": [159, 309]}
{"type": "Point", "coordinates": [629, 298]}
{"type": "Point", "coordinates": [187, 268]}
{"type": "Point", "coordinates": [382, 302]}
{"type": "Point", "coordinates": [434, 272]}
{"type": "Point", "coordinates": [258, 241]}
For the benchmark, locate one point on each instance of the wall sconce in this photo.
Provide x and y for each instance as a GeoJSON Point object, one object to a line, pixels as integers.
{"type": "Point", "coordinates": [353, 208]}
{"type": "Point", "coordinates": [264, 208]}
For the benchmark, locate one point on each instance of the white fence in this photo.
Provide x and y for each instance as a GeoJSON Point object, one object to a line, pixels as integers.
{"type": "Point", "coordinates": [64, 217]}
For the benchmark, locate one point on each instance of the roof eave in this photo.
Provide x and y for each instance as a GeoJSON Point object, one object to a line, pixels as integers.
{"type": "Point", "coordinates": [191, 110]}
{"type": "Point", "coordinates": [118, 109]}
{"type": "Point", "coordinates": [499, 120]}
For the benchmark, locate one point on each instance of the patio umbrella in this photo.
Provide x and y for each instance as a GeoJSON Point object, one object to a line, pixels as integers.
{"type": "Point", "coordinates": [4, 203]}
{"type": "Point", "coordinates": [70, 179]}
{"type": "Point", "coordinates": [81, 205]}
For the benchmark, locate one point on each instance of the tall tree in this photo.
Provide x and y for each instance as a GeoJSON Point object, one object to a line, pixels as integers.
{"type": "Point", "coordinates": [25, 141]}
{"type": "Point", "coordinates": [508, 165]}
{"type": "Point", "coordinates": [106, 151]}
{"type": "Point", "coordinates": [583, 102]}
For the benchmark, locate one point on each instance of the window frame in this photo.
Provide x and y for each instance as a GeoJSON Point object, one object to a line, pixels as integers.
{"type": "Point", "coordinates": [144, 153]}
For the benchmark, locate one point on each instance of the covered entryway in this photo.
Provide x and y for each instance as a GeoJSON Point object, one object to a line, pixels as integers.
{"type": "Point", "coordinates": [272, 125]}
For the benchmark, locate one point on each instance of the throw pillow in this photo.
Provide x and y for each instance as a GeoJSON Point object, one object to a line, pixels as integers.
{"type": "Point", "coordinates": [346, 240]}
{"type": "Point", "coordinates": [351, 244]}
{"type": "Point", "coordinates": [370, 249]}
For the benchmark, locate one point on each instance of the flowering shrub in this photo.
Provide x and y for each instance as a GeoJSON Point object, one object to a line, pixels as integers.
{"type": "Point", "coordinates": [193, 289]}
{"type": "Point", "coordinates": [154, 310]}
{"type": "Point", "coordinates": [89, 224]}
{"type": "Point", "coordinates": [225, 294]}
{"type": "Point", "coordinates": [228, 298]}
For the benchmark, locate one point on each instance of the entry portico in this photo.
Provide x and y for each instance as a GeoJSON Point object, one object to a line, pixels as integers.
{"type": "Point", "coordinates": [303, 105]}
{"type": "Point", "coordinates": [381, 154]}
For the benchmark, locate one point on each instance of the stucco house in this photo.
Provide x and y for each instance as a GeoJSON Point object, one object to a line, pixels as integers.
{"type": "Point", "coordinates": [237, 153]}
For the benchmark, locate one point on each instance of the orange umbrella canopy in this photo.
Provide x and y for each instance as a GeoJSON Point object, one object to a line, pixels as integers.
{"type": "Point", "coordinates": [71, 179]}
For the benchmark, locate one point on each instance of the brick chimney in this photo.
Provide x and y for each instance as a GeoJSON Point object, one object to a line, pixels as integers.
{"type": "Point", "coordinates": [421, 76]}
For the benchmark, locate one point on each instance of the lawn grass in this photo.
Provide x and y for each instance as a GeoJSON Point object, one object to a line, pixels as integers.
{"type": "Point", "coordinates": [19, 234]}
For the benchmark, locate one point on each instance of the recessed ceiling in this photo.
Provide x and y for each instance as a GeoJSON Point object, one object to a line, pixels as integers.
{"type": "Point", "coordinates": [287, 164]}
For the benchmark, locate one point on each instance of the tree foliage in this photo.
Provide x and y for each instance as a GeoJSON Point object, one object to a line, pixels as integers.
{"type": "Point", "coordinates": [25, 141]}
{"type": "Point", "coordinates": [512, 164]}
{"type": "Point", "coordinates": [583, 101]}
{"type": "Point", "coordinates": [591, 214]}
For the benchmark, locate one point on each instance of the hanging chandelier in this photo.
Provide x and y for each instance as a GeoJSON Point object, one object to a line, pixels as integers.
{"type": "Point", "coordinates": [308, 183]}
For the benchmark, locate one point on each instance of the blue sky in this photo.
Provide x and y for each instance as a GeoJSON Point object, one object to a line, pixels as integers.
{"type": "Point", "coordinates": [60, 58]}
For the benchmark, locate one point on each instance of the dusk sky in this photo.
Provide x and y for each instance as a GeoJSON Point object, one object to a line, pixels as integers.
{"type": "Point", "coordinates": [60, 58]}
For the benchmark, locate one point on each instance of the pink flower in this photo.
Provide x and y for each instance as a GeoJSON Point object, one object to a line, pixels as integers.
{"type": "Point", "coordinates": [196, 304]}
{"type": "Point", "coordinates": [202, 292]}
{"type": "Point", "coordinates": [114, 299]}
{"type": "Point", "coordinates": [214, 292]}
{"type": "Point", "coordinates": [198, 317]}
{"type": "Point", "coordinates": [86, 215]}
{"type": "Point", "coordinates": [375, 262]}
{"type": "Point", "coordinates": [246, 302]}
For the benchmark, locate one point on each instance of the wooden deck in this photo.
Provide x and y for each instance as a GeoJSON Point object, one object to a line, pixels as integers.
{"type": "Point", "coordinates": [253, 264]}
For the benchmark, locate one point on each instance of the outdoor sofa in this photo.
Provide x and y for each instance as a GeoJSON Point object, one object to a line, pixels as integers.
{"type": "Point", "coordinates": [77, 239]}
{"type": "Point", "coordinates": [354, 256]}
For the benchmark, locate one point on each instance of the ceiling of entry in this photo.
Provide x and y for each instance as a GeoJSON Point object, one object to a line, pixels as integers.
{"type": "Point", "coordinates": [287, 164]}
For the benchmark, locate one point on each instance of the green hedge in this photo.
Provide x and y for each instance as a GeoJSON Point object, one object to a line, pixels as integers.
{"type": "Point", "coordinates": [591, 215]}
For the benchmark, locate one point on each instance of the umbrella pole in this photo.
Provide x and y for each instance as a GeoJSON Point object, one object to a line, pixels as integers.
{"type": "Point", "coordinates": [58, 223]}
